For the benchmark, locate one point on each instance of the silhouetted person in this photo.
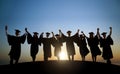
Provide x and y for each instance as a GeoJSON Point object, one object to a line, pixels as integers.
{"type": "Point", "coordinates": [35, 42]}
{"type": "Point", "coordinates": [15, 43]}
{"type": "Point", "coordinates": [81, 42]}
{"type": "Point", "coordinates": [105, 43]}
{"type": "Point", "coordinates": [93, 42]}
{"type": "Point", "coordinates": [70, 43]}
{"type": "Point", "coordinates": [57, 43]}
{"type": "Point", "coordinates": [46, 45]}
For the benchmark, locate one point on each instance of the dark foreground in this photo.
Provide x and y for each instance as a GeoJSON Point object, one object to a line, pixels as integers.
{"type": "Point", "coordinates": [61, 67]}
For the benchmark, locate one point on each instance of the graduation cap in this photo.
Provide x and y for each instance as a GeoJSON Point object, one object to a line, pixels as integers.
{"type": "Point", "coordinates": [18, 31]}
{"type": "Point", "coordinates": [47, 33]}
{"type": "Point", "coordinates": [35, 32]}
{"type": "Point", "coordinates": [68, 31]}
{"type": "Point", "coordinates": [91, 33]}
{"type": "Point", "coordinates": [57, 35]}
{"type": "Point", "coordinates": [104, 33]}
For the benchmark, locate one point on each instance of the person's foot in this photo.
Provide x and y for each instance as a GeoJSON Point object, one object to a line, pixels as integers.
{"type": "Point", "coordinates": [108, 61]}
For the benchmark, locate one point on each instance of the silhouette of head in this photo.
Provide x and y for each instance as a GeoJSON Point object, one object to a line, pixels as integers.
{"type": "Point", "coordinates": [81, 36]}
{"type": "Point", "coordinates": [47, 34]}
{"type": "Point", "coordinates": [69, 33]}
{"type": "Point", "coordinates": [35, 34]}
{"type": "Point", "coordinates": [17, 32]}
{"type": "Point", "coordinates": [57, 36]}
{"type": "Point", "coordinates": [91, 34]}
{"type": "Point", "coordinates": [104, 34]}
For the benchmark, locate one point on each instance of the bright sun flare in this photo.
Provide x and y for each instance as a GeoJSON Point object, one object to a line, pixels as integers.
{"type": "Point", "coordinates": [62, 56]}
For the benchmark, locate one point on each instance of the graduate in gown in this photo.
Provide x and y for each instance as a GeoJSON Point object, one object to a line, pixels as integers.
{"type": "Point", "coordinates": [70, 43]}
{"type": "Point", "coordinates": [105, 43]}
{"type": "Point", "coordinates": [35, 42]}
{"type": "Point", "coordinates": [93, 42]}
{"type": "Point", "coordinates": [46, 41]}
{"type": "Point", "coordinates": [57, 43]}
{"type": "Point", "coordinates": [82, 46]}
{"type": "Point", "coordinates": [15, 43]}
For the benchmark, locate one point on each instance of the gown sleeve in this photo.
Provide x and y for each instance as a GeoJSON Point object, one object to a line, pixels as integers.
{"type": "Point", "coordinates": [10, 39]}
{"type": "Point", "coordinates": [23, 38]}
{"type": "Point", "coordinates": [29, 38]}
{"type": "Point", "coordinates": [75, 38]}
{"type": "Point", "coordinates": [101, 42]}
{"type": "Point", "coordinates": [41, 40]}
{"type": "Point", "coordinates": [53, 41]}
{"type": "Point", "coordinates": [63, 37]}
{"type": "Point", "coordinates": [97, 40]}
{"type": "Point", "coordinates": [110, 40]}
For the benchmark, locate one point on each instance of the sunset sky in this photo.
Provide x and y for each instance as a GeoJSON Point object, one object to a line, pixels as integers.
{"type": "Point", "coordinates": [52, 15]}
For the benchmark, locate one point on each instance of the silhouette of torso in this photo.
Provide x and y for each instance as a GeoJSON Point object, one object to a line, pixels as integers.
{"type": "Point", "coordinates": [93, 43]}
{"type": "Point", "coordinates": [34, 41]}
{"type": "Point", "coordinates": [15, 43]}
{"type": "Point", "coordinates": [47, 46]}
{"type": "Point", "coordinates": [105, 43]}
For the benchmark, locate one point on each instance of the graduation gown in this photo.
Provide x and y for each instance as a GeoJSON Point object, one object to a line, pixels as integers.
{"type": "Point", "coordinates": [15, 43]}
{"type": "Point", "coordinates": [105, 44]}
{"type": "Point", "coordinates": [57, 43]}
{"type": "Point", "coordinates": [93, 43]}
{"type": "Point", "coordinates": [34, 41]}
{"type": "Point", "coordinates": [46, 46]}
{"type": "Point", "coordinates": [70, 43]}
{"type": "Point", "coordinates": [82, 46]}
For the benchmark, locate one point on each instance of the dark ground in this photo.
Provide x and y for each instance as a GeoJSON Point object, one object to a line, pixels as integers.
{"type": "Point", "coordinates": [61, 67]}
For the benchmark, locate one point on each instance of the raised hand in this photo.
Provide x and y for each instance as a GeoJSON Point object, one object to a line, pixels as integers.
{"type": "Point", "coordinates": [6, 28]}
{"type": "Point", "coordinates": [81, 31]}
{"type": "Point", "coordinates": [52, 32]}
{"type": "Point", "coordinates": [97, 29]}
{"type": "Point", "coordinates": [78, 30]}
{"type": "Point", "coordinates": [26, 29]}
{"type": "Point", "coordinates": [110, 28]}
{"type": "Point", "coordinates": [59, 30]}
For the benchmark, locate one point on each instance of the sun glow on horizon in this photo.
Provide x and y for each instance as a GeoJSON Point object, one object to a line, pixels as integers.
{"type": "Point", "coordinates": [62, 56]}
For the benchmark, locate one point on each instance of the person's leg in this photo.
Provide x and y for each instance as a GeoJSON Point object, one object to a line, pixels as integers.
{"type": "Point", "coordinates": [16, 61]}
{"type": "Point", "coordinates": [108, 61]}
{"type": "Point", "coordinates": [83, 58]}
{"type": "Point", "coordinates": [11, 60]}
{"type": "Point", "coordinates": [33, 58]}
{"type": "Point", "coordinates": [69, 57]}
{"type": "Point", "coordinates": [45, 58]}
{"type": "Point", "coordinates": [72, 57]}
{"type": "Point", "coordinates": [93, 58]}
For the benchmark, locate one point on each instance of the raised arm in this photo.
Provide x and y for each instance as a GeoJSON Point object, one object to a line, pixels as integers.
{"type": "Point", "coordinates": [28, 34]}
{"type": "Point", "coordinates": [98, 33]}
{"type": "Point", "coordinates": [53, 34]}
{"type": "Point", "coordinates": [26, 30]}
{"type": "Point", "coordinates": [110, 31]}
{"type": "Point", "coordinates": [76, 34]}
{"type": "Point", "coordinates": [78, 31]}
{"type": "Point", "coordinates": [61, 34]}
{"type": "Point", "coordinates": [84, 34]}
{"type": "Point", "coordinates": [6, 29]}
{"type": "Point", "coordinates": [41, 35]}
{"type": "Point", "coordinates": [10, 38]}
